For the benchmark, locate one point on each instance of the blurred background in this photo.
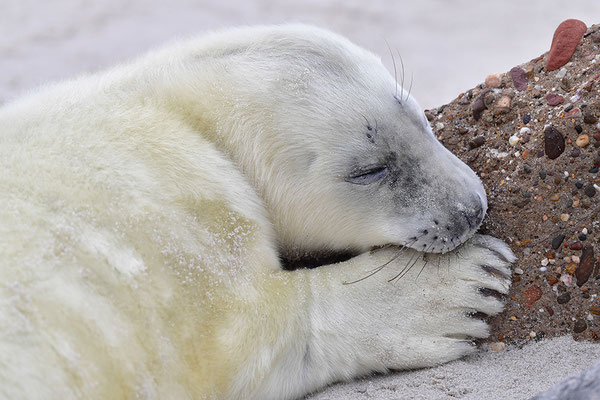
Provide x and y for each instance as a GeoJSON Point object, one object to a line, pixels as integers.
{"type": "Point", "coordinates": [448, 45]}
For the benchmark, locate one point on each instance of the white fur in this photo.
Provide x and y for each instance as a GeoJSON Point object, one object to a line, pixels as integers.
{"type": "Point", "coordinates": [143, 210]}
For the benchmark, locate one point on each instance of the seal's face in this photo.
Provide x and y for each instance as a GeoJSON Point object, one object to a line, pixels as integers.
{"type": "Point", "coordinates": [356, 163]}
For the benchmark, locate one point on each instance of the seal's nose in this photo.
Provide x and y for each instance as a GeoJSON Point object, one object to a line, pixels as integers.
{"type": "Point", "coordinates": [474, 212]}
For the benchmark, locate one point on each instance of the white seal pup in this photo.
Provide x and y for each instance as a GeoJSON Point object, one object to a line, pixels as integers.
{"type": "Point", "coordinates": [144, 212]}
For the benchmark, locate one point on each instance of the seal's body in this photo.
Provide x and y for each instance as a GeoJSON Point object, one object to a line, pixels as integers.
{"type": "Point", "coordinates": [144, 211]}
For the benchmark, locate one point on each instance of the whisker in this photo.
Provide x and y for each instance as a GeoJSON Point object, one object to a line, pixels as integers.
{"type": "Point", "coordinates": [395, 71]}
{"type": "Point", "coordinates": [379, 268]}
{"type": "Point", "coordinates": [402, 66]}
{"type": "Point", "coordinates": [410, 87]}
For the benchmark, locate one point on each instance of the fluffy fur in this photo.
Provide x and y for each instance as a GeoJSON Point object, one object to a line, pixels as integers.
{"type": "Point", "coordinates": [144, 211]}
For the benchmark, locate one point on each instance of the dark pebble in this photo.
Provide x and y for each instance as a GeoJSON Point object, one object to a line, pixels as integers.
{"type": "Point", "coordinates": [594, 170]}
{"type": "Point", "coordinates": [578, 185]}
{"type": "Point", "coordinates": [589, 117]}
{"type": "Point", "coordinates": [586, 266]}
{"type": "Point", "coordinates": [527, 169]}
{"type": "Point", "coordinates": [557, 241]}
{"type": "Point", "coordinates": [586, 295]}
{"type": "Point", "coordinates": [542, 174]}
{"type": "Point", "coordinates": [579, 326]}
{"type": "Point", "coordinates": [563, 298]}
{"type": "Point", "coordinates": [578, 128]}
{"type": "Point", "coordinates": [582, 237]}
{"type": "Point", "coordinates": [522, 203]}
{"type": "Point", "coordinates": [519, 78]}
{"type": "Point", "coordinates": [590, 191]}
{"type": "Point", "coordinates": [526, 194]}
{"type": "Point", "coordinates": [569, 108]}
{"type": "Point", "coordinates": [575, 153]}
{"type": "Point", "coordinates": [478, 105]}
{"type": "Point", "coordinates": [477, 142]}
{"type": "Point", "coordinates": [554, 142]}
{"type": "Point", "coordinates": [526, 118]}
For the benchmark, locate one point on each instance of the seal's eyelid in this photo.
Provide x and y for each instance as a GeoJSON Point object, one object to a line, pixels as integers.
{"type": "Point", "coordinates": [367, 175]}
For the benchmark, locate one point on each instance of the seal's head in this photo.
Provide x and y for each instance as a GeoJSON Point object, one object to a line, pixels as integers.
{"type": "Point", "coordinates": [343, 157]}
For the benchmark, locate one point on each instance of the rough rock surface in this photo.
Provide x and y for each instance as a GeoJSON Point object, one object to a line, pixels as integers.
{"type": "Point", "coordinates": [539, 160]}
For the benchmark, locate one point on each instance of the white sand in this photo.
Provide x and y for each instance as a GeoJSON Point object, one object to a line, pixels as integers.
{"type": "Point", "coordinates": [512, 374]}
{"type": "Point", "coordinates": [449, 46]}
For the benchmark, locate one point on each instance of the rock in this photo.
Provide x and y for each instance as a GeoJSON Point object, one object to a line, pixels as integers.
{"type": "Point", "coordinates": [564, 43]}
{"type": "Point", "coordinates": [519, 78]}
{"type": "Point", "coordinates": [478, 106]}
{"type": "Point", "coordinates": [552, 280]}
{"type": "Point", "coordinates": [586, 266]}
{"type": "Point", "coordinates": [502, 106]}
{"type": "Point", "coordinates": [514, 140]}
{"type": "Point", "coordinates": [493, 80]}
{"type": "Point", "coordinates": [554, 143]}
{"type": "Point", "coordinates": [563, 298]}
{"type": "Point", "coordinates": [532, 294]}
{"type": "Point", "coordinates": [590, 191]}
{"type": "Point", "coordinates": [478, 141]}
{"type": "Point", "coordinates": [526, 118]}
{"type": "Point", "coordinates": [554, 99]}
{"type": "Point", "coordinates": [578, 128]}
{"type": "Point", "coordinates": [579, 326]}
{"type": "Point", "coordinates": [589, 117]}
{"type": "Point", "coordinates": [576, 246]}
{"type": "Point", "coordinates": [557, 241]}
{"type": "Point", "coordinates": [574, 113]}
{"type": "Point", "coordinates": [582, 140]}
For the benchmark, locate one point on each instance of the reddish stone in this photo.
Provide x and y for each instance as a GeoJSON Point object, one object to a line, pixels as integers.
{"type": "Point", "coordinates": [554, 99]}
{"type": "Point", "coordinates": [564, 42]}
{"type": "Point", "coordinates": [586, 266]}
{"type": "Point", "coordinates": [576, 112]}
{"type": "Point", "coordinates": [519, 78]}
{"type": "Point", "coordinates": [576, 246]}
{"type": "Point", "coordinates": [532, 294]}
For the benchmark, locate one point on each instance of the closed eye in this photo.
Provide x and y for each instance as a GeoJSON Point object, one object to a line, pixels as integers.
{"type": "Point", "coordinates": [367, 176]}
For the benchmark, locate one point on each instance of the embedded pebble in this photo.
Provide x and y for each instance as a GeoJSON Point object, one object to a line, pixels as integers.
{"type": "Point", "coordinates": [514, 140]}
{"type": "Point", "coordinates": [563, 298]}
{"type": "Point", "coordinates": [582, 140]}
{"type": "Point", "coordinates": [526, 118]}
{"type": "Point", "coordinates": [590, 191]}
{"type": "Point", "coordinates": [497, 346]}
{"type": "Point", "coordinates": [493, 80]}
{"type": "Point", "coordinates": [579, 326]}
{"type": "Point", "coordinates": [519, 78]}
{"type": "Point", "coordinates": [532, 294]}
{"type": "Point", "coordinates": [478, 106]}
{"type": "Point", "coordinates": [502, 106]}
{"type": "Point", "coordinates": [557, 241]}
{"type": "Point", "coordinates": [477, 142]}
{"type": "Point", "coordinates": [586, 267]}
{"type": "Point", "coordinates": [554, 142]}
{"type": "Point", "coordinates": [564, 42]}
{"type": "Point", "coordinates": [554, 99]}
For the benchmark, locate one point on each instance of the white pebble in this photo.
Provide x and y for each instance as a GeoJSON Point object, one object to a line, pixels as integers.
{"type": "Point", "coordinates": [514, 140]}
{"type": "Point", "coordinates": [524, 130]}
{"type": "Point", "coordinates": [543, 269]}
{"type": "Point", "coordinates": [584, 231]}
{"type": "Point", "coordinates": [575, 259]}
{"type": "Point", "coordinates": [561, 73]}
{"type": "Point", "coordinates": [532, 334]}
{"type": "Point", "coordinates": [545, 262]}
{"type": "Point", "coordinates": [566, 279]}
{"type": "Point", "coordinates": [518, 271]}
{"type": "Point", "coordinates": [439, 126]}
